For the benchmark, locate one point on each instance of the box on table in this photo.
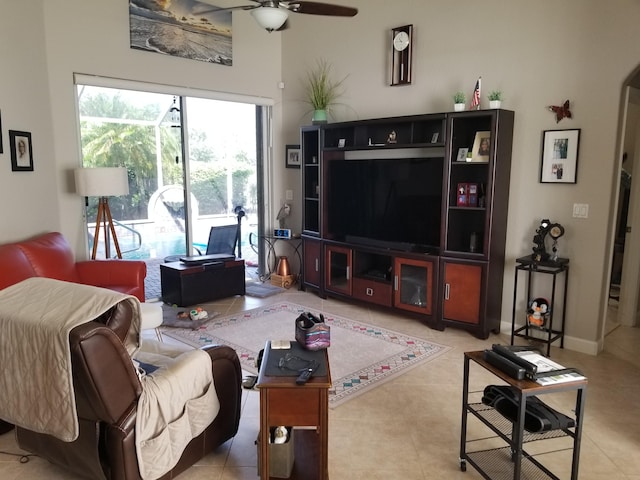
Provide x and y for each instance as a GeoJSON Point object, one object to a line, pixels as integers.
{"type": "Point", "coordinates": [281, 456]}
{"type": "Point", "coordinates": [284, 281]}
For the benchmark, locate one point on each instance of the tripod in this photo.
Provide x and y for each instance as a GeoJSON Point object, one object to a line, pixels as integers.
{"type": "Point", "coordinates": [104, 218]}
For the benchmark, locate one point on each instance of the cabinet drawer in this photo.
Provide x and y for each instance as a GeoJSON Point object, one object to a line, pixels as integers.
{"type": "Point", "coordinates": [372, 291]}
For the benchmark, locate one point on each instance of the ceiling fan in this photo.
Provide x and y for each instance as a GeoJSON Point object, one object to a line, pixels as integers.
{"type": "Point", "coordinates": [272, 14]}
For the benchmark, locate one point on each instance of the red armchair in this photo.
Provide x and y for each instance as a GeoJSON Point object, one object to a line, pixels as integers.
{"type": "Point", "coordinates": [49, 255]}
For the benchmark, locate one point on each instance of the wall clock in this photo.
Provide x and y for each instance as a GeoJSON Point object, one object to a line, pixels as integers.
{"type": "Point", "coordinates": [401, 50]}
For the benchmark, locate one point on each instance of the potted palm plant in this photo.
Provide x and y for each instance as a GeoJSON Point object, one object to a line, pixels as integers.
{"type": "Point", "coordinates": [322, 91]}
{"type": "Point", "coordinates": [459, 101]}
{"type": "Point", "coordinates": [495, 99]}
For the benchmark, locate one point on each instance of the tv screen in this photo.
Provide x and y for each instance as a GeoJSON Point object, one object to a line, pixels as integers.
{"type": "Point", "coordinates": [386, 202]}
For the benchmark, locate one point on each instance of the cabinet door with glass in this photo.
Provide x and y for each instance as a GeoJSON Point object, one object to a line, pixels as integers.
{"type": "Point", "coordinates": [413, 285]}
{"type": "Point", "coordinates": [338, 269]}
{"type": "Point", "coordinates": [311, 178]}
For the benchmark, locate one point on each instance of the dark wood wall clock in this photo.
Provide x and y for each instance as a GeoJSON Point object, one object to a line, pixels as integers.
{"type": "Point", "coordinates": [401, 50]}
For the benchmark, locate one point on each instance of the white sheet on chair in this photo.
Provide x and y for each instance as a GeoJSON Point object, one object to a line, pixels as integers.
{"type": "Point", "coordinates": [178, 402]}
{"type": "Point", "coordinates": [36, 316]}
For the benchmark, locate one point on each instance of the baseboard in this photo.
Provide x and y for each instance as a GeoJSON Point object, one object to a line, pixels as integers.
{"type": "Point", "coordinates": [570, 343]}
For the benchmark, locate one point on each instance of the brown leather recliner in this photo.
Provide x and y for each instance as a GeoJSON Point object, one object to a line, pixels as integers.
{"type": "Point", "coordinates": [107, 390]}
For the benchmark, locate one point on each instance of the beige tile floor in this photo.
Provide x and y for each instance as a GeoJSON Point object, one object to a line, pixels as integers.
{"type": "Point", "coordinates": [409, 428]}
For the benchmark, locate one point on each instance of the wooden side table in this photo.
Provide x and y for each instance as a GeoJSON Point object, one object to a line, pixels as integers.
{"type": "Point", "coordinates": [501, 453]}
{"type": "Point", "coordinates": [282, 402]}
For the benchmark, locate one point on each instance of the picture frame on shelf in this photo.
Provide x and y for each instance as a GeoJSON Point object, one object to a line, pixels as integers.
{"type": "Point", "coordinates": [292, 157]}
{"type": "Point", "coordinates": [434, 137]}
{"type": "Point", "coordinates": [559, 162]}
{"type": "Point", "coordinates": [21, 151]}
{"type": "Point", "coordinates": [462, 155]}
{"type": "Point", "coordinates": [481, 147]}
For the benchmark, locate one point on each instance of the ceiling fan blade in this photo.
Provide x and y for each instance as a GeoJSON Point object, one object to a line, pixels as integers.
{"type": "Point", "coordinates": [226, 9]}
{"type": "Point", "coordinates": [317, 8]}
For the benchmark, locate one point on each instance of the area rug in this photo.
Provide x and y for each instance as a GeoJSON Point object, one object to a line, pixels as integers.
{"type": "Point", "coordinates": [262, 290]}
{"type": "Point", "coordinates": [361, 356]}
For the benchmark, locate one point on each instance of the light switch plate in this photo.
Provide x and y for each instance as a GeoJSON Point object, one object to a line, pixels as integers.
{"type": "Point", "coordinates": [580, 210]}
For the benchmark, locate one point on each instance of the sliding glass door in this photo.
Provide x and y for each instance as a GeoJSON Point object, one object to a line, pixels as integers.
{"type": "Point", "coordinates": [172, 203]}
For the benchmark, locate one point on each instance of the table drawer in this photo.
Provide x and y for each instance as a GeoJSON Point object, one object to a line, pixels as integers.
{"type": "Point", "coordinates": [372, 291]}
{"type": "Point", "coordinates": [295, 406]}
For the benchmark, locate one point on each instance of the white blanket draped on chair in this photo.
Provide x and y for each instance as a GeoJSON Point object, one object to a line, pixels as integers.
{"type": "Point", "coordinates": [36, 316]}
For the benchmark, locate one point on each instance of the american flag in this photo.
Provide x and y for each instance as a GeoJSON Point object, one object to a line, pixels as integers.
{"type": "Point", "coordinates": [475, 101]}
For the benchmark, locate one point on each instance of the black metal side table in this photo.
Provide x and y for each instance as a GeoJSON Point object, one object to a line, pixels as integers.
{"type": "Point", "coordinates": [548, 267]}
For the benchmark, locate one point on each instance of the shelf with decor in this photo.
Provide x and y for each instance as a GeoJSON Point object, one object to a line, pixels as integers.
{"type": "Point", "coordinates": [544, 330]}
{"type": "Point", "coordinates": [385, 206]}
{"type": "Point", "coordinates": [395, 132]}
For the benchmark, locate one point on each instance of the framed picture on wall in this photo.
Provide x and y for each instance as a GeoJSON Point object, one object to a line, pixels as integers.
{"type": "Point", "coordinates": [21, 151]}
{"type": "Point", "coordinates": [559, 162]}
{"type": "Point", "coordinates": [1, 148]}
{"type": "Point", "coordinates": [292, 157]}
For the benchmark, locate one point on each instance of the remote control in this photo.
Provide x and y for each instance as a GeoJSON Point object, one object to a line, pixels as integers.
{"type": "Point", "coordinates": [304, 376]}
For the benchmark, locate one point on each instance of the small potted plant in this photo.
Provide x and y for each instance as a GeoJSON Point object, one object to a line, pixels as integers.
{"type": "Point", "coordinates": [459, 101]}
{"type": "Point", "coordinates": [495, 99]}
{"type": "Point", "coordinates": [322, 92]}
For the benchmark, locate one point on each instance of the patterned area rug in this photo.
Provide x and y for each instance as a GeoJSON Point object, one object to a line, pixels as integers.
{"type": "Point", "coordinates": [361, 356]}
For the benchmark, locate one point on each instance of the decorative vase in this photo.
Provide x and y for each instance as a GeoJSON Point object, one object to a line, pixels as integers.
{"type": "Point", "coordinates": [283, 267]}
{"type": "Point", "coordinates": [459, 107]}
{"type": "Point", "coordinates": [319, 116]}
{"type": "Point", "coordinates": [495, 103]}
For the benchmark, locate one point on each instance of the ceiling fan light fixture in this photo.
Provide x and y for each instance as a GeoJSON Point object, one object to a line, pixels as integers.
{"type": "Point", "coordinates": [270, 18]}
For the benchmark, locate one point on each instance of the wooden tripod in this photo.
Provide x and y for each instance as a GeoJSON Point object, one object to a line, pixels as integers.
{"type": "Point", "coordinates": [104, 217]}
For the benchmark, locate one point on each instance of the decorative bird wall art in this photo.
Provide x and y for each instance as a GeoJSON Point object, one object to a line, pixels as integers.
{"type": "Point", "coordinates": [561, 111]}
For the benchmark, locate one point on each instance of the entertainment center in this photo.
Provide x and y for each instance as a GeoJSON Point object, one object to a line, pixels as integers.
{"type": "Point", "coordinates": [396, 213]}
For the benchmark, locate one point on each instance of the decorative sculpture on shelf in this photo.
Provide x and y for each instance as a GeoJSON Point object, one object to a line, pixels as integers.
{"type": "Point", "coordinates": [283, 213]}
{"type": "Point", "coordinates": [540, 250]}
{"type": "Point", "coordinates": [555, 231]}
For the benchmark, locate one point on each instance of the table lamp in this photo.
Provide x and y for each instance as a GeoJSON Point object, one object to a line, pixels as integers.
{"type": "Point", "coordinates": [103, 182]}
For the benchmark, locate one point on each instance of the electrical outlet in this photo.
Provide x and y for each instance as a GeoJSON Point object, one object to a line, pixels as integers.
{"type": "Point", "coordinates": [580, 210]}
{"type": "Point", "coordinates": [289, 195]}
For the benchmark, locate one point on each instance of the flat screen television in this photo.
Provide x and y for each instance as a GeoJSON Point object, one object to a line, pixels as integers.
{"type": "Point", "coordinates": [390, 203]}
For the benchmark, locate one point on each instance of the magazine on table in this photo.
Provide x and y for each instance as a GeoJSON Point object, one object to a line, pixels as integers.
{"type": "Point", "coordinates": [545, 368]}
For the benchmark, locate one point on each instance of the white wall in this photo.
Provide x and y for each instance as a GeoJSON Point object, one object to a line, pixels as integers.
{"type": "Point", "coordinates": [25, 197]}
{"type": "Point", "coordinates": [48, 41]}
{"type": "Point", "coordinates": [538, 53]}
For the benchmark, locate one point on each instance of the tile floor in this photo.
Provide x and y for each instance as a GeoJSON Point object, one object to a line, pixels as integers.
{"type": "Point", "coordinates": [409, 428]}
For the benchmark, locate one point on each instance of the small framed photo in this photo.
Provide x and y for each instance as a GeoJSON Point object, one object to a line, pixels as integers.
{"type": "Point", "coordinates": [21, 151]}
{"type": "Point", "coordinates": [462, 155]}
{"type": "Point", "coordinates": [292, 158]}
{"type": "Point", "coordinates": [341, 143]}
{"type": "Point", "coordinates": [481, 147]}
{"type": "Point", "coordinates": [559, 162]}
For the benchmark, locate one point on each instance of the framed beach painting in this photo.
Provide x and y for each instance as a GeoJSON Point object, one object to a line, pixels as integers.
{"type": "Point", "coordinates": [182, 28]}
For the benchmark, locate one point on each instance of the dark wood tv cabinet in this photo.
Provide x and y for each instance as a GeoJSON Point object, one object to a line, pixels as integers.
{"type": "Point", "coordinates": [455, 277]}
